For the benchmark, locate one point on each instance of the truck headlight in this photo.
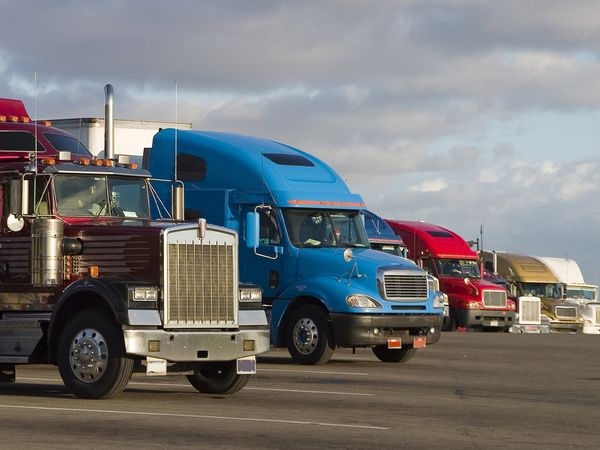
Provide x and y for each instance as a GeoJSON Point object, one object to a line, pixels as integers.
{"type": "Point", "coordinates": [362, 301]}
{"type": "Point", "coordinates": [143, 294]}
{"type": "Point", "coordinates": [438, 299]}
{"type": "Point", "coordinates": [250, 295]}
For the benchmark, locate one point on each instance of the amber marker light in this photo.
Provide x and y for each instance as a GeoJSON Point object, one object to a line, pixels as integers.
{"type": "Point", "coordinates": [93, 271]}
{"type": "Point", "coordinates": [154, 346]}
{"type": "Point", "coordinates": [12, 119]}
{"type": "Point", "coordinates": [99, 162]}
{"type": "Point", "coordinates": [249, 345]}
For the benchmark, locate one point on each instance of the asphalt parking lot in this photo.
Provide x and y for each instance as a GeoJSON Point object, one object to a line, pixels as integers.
{"type": "Point", "coordinates": [471, 390]}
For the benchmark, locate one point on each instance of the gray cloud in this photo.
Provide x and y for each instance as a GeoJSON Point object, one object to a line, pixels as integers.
{"type": "Point", "coordinates": [393, 94]}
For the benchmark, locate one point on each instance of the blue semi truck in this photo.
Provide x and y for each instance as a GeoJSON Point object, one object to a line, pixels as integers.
{"type": "Point", "coordinates": [304, 242]}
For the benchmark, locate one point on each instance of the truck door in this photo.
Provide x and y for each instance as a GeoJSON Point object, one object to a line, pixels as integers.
{"type": "Point", "coordinates": [265, 264]}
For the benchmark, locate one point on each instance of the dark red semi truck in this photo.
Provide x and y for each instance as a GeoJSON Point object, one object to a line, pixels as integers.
{"type": "Point", "coordinates": [89, 283]}
{"type": "Point", "coordinates": [474, 302]}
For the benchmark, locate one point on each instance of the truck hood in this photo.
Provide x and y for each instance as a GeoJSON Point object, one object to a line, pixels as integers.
{"type": "Point", "coordinates": [459, 285]}
{"type": "Point", "coordinates": [330, 261]}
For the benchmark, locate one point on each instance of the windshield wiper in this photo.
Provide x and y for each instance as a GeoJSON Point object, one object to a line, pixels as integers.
{"type": "Point", "coordinates": [103, 204]}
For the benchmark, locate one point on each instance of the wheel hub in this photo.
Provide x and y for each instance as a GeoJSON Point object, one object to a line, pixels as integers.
{"type": "Point", "coordinates": [88, 355]}
{"type": "Point", "coordinates": [306, 336]}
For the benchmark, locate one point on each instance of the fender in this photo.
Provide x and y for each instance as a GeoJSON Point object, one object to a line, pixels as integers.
{"type": "Point", "coordinates": [324, 289]}
{"type": "Point", "coordinates": [107, 293]}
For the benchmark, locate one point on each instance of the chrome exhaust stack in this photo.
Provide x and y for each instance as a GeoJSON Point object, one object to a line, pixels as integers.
{"type": "Point", "coordinates": [109, 123]}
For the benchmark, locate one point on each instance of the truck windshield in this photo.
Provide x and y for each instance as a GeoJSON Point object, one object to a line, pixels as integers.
{"type": "Point", "coordinates": [101, 196]}
{"type": "Point", "coordinates": [458, 268]}
{"type": "Point", "coordinates": [325, 228]}
{"type": "Point", "coordinates": [582, 293]}
{"type": "Point", "coordinates": [544, 290]}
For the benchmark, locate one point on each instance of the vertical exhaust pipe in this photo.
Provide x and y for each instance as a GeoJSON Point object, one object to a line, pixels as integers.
{"type": "Point", "coordinates": [109, 123]}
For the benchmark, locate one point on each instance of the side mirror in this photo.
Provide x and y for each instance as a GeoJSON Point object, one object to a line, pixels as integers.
{"type": "Point", "coordinates": [19, 197]}
{"type": "Point", "coordinates": [252, 229]}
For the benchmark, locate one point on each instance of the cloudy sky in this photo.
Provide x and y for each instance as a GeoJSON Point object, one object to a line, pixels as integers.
{"type": "Point", "coordinates": [456, 112]}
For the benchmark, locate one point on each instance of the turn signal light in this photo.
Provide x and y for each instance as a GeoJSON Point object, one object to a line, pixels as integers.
{"type": "Point", "coordinates": [93, 271]}
{"type": "Point", "coordinates": [154, 346]}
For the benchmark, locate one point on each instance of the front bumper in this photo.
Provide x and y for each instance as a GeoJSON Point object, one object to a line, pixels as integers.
{"type": "Point", "coordinates": [196, 345]}
{"type": "Point", "coordinates": [366, 330]}
{"type": "Point", "coordinates": [590, 328]}
{"type": "Point", "coordinates": [564, 327]}
{"type": "Point", "coordinates": [472, 318]}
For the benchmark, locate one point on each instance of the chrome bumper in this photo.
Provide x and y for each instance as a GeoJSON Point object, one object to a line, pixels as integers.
{"type": "Point", "coordinates": [196, 346]}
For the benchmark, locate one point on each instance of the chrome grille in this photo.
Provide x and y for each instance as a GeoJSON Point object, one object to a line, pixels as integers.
{"type": "Point", "coordinates": [494, 299]}
{"type": "Point", "coordinates": [530, 311]}
{"type": "Point", "coordinates": [405, 286]}
{"type": "Point", "coordinates": [597, 315]}
{"type": "Point", "coordinates": [565, 312]}
{"type": "Point", "coordinates": [201, 284]}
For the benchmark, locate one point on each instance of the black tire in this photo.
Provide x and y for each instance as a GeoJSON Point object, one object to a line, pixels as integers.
{"type": "Point", "coordinates": [449, 323]}
{"type": "Point", "coordinates": [389, 355]}
{"type": "Point", "coordinates": [309, 337]}
{"type": "Point", "coordinates": [219, 377]}
{"type": "Point", "coordinates": [91, 356]}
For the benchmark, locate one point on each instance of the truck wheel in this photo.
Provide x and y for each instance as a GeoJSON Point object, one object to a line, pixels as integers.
{"type": "Point", "coordinates": [449, 323]}
{"type": "Point", "coordinates": [218, 378]}
{"type": "Point", "coordinates": [91, 356]}
{"type": "Point", "coordinates": [309, 338]}
{"type": "Point", "coordinates": [388, 355]}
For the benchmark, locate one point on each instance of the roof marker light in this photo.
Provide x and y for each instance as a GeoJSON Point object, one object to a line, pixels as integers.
{"type": "Point", "coordinates": [12, 119]}
{"type": "Point", "coordinates": [24, 119]}
{"type": "Point", "coordinates": [324, 203]}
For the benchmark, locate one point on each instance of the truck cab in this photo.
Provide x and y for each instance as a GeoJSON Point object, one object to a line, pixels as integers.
{"type": "Point", "coordinates": [382, 237]}
{"type": "Point", "coordinates": [530, 278]}
{"type": "Point", "coordinates": [474, 302]}
{"type": "Point", "coordinates": [90, 283]}
{"type": "Point", "coordinates": [304, 243]}
{"type": "Point", "coordinates": [576, 291]}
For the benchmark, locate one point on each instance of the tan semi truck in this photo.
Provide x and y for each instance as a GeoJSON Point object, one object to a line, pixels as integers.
{"type": "Point", "coordinates": [529, 277]}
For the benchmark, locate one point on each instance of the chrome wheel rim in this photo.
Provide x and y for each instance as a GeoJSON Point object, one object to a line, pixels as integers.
{"type": "Point", "coordinates": [306, 336]}
{"type": "Point", "coordinates": [88, 355]}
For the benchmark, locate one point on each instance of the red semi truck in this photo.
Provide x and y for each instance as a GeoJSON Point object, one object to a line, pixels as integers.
{"type": "Point", "coordinates": [90, 283]}
{"type": "Point", "coordinates": [474, 302]}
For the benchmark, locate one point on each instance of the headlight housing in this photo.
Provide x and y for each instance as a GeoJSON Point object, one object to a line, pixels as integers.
{"type": "Point", "coordinates": [143, 294]}
{"type": "Point", "coordinates": [438, 299]}
{"type": "Point", "coordinates": [248, 295]}
{"type": "Point", "coordinates": [362, 301]}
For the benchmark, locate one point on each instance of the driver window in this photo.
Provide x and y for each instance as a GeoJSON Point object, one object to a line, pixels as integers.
{"type": "Point", "coordinates": [269, 231]}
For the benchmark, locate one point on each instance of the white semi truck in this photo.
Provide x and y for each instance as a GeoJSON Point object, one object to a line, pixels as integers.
{"type": "Point", "coordinates": [577, 291]}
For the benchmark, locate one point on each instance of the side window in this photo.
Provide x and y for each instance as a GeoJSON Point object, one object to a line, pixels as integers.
{"type": "Point", "coordinates": [190, 167]}
{"type": "Point", "coordinates": [428, 266]}
{"type": "Point", "coordinates": [269, 230]}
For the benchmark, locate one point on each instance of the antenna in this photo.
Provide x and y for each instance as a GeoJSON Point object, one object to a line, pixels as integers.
{"type": "Point", "coordinates": [481, 236]}
{"type": "Point", "coordinates": [175, 148]}
{"type": "Point", "coordinates": [35, 124]}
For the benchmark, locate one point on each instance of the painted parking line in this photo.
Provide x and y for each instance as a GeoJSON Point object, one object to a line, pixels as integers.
{"type": "Point", "coordinates": [250, 388]}
{"type": "Point", "coordinates": [318, 372]}
{"type": "Point", "coordinates": [192, 416]}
